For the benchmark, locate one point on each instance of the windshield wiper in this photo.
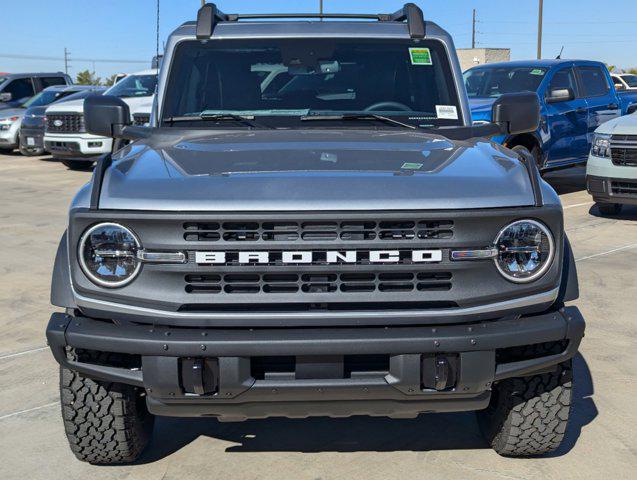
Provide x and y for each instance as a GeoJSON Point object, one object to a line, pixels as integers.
{"type": "Point", "coordinates": [218, 117]}
{"type": "Point", "coordinates": [357, 116]}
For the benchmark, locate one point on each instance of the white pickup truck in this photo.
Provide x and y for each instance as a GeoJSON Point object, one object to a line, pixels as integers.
{"type": "Point", "coordinates": [66, 137]}
{"type": "Point", "coordinates": [611, 171]}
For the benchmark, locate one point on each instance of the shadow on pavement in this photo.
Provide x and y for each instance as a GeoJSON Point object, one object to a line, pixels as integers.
{"type": "Point", "coordinates": [628, 212]}
{"type": "Point", "coordinates": [449, 431]}
{"type": "Point", "coordinates": [568, 180]}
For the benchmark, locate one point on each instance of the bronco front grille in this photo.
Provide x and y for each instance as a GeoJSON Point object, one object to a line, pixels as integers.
{"type": "Point", "coordinates": [65, 123]}
{"type": "Point", "coordinates": [284, 231]}
{"type": "Point", "coordinates": [624, 150]}
{"type": "Point", "coordinates": [319, 282]}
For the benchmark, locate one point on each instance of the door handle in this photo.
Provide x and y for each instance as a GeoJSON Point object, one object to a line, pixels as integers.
{"type": "Point", "coordinates": [613, 106]}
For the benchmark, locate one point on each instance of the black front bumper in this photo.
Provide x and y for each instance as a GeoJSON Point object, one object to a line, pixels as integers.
{"type": "Point", "coordinates": [398, 392]}
{"type": "Point", "coordinates": [612, 190]}
{"type": "Point", "coordinates": [36, 134]}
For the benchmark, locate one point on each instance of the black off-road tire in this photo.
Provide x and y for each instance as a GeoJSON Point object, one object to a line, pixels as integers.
{"type": "Point", "coordinates": [106, 423]}
{"type": "Point", "coordinates": [528, 416]}
{"type": "Point", "coordinates": [609, 208]}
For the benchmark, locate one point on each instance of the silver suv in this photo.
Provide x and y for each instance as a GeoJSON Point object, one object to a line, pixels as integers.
{"type": "Point", "coordinates": [311, 225]}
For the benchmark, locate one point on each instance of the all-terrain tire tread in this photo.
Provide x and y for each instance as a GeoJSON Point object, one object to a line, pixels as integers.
{"type": "Point", "coordinates": [105, 423]}
{"type": "Point", "coordinates": [529, 415]}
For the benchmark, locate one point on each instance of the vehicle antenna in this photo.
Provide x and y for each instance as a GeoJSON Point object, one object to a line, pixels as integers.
{"type": "Point", "coordinates": [559, 55]}
{"type": "Point", "coordinates": [156, 100]}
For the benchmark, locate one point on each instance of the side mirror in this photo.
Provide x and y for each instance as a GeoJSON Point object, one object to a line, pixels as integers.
{"type": "Point", "coordinates": [560, 95]}
{"type": "Point", "coordinates": [517, 112]}
{"type": "Point", "coordinates": [6, 97]}
{"type": "Point", "coordinates": [106, 116]}
{"type": "Point", "coordinates": [631, 109]}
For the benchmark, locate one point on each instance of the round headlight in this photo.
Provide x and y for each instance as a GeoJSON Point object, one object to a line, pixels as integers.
{"type": "Point", "coordinates": [108, 255]}
{"type": "Point", "coordinates": [525, 251]}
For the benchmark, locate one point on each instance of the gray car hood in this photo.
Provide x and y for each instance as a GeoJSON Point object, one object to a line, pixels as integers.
{"type": "Point", "coordinates": [289, 170]}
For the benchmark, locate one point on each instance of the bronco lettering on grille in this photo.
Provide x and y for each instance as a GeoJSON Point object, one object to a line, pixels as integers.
{"type": "Point", "coordinates": [325, 257]}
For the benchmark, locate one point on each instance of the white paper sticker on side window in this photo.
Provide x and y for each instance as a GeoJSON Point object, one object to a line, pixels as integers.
{"type": "Point", "coordinates": [449, 112]}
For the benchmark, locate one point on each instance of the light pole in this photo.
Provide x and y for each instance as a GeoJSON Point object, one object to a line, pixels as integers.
{"type": "Point", "coordinates": [539, 31]}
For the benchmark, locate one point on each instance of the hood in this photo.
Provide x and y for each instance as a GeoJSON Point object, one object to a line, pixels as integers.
{"type": "Point", "coordinates": [72, 106]}
{"type": "Point", "coordinates": [12, 112]}
{"type": "Point", "coordinates": [481, 108]}
{"type": "Point", "coordinates": [289, 170]}
{"type": "Point", "coordinates": [626, 125]}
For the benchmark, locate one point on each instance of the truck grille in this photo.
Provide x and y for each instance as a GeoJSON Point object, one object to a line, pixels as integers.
{"type": "Point", "coordinates": [624, 189]}
{"type": "Point", "coordinates": [65, 123]}
{"type": "Point", "coordinates": [346, 231]}
{"type": "Point", "coordinates": [624, 150]}
{"type": "Point", "coordinates": [318, 282]}
{"type": "Point", "coordinates": [141, 119]}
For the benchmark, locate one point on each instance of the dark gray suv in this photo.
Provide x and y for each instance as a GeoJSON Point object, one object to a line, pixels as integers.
{"type": "Point", "coordinates": [312, 225]}
{"type": "Point", "coordinates": [17, 88]}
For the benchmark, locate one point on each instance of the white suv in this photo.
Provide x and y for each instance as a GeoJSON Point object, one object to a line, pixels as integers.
{"type": "Point", "coordinates": [66, 137]}
{"type": "Point", "coordinates": [611, 172]}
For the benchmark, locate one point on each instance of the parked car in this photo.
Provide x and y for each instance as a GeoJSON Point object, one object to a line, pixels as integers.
{"type": "Point", "coordinates": [342, 241]}
{"type": "Point", "coordinates": [65, 133]}
{"type": "Point", "coordinates": [12, 119]}
{"type": "Point", "coordinates": [624, 81]}
{"type": "Point", "coordinates": [576, 97]}
{"type": "Point", "coordinates": [611, 172]}
{"type": "Point", "coordinates": [31, 133]}
{"type": "Point", "coordinates": [17, 88]}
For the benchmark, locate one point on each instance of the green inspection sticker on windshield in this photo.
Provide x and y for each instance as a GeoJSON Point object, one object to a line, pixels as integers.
{"type": "Point", "coordinates": [412, 166]}
{"type": "Point", "coordinates": [537, 71]}
{"type": "Point", "coordinates": [420, 56]}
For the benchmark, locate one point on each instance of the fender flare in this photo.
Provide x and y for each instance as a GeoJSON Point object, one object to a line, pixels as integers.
{"type": "Point", "coordinates": [569, 285]}
{"type": "Point", "coordinates": [61, 291]}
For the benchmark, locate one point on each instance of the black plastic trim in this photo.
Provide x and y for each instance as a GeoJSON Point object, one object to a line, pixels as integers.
{"type": "Point", "coordinates": [98, 178]}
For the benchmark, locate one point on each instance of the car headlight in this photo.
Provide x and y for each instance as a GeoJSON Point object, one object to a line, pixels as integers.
{"type": "Point", "coordinates": [107, 253]}
{"type": "Point", "coordinates": [525, 251]}
{"type": "Point", "coordinates": [6, 123]}
{"type": "Point", "coordinates": [601, 145]}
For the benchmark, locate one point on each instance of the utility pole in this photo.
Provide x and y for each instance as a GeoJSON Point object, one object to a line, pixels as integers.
{"type": "Point", "coordinates": [321, 7]}
{"type": "Point", "coordinates": [473, 30]}
{"type": "Point", "coordinates": [66, 61]}
{"type": "Point", "coordinates": [539, 31]}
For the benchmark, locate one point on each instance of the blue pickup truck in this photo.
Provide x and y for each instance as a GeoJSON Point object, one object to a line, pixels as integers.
{"type": "Point", "coordinates": [576, 96]}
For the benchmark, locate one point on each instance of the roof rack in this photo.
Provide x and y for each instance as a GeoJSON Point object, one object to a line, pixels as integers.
{"type": "Point", "coordinates": [209, 15]}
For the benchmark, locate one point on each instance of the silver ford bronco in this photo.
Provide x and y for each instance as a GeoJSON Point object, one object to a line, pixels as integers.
{"type": "Point", "coordinates": [312, 225]}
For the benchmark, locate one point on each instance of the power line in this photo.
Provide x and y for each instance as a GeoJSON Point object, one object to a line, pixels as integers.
{"type": "Point", "coordinates": [80, 59]}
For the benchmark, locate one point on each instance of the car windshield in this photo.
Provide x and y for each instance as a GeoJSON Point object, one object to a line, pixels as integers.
{"type": "Point", "coordinates": [631, 80]}
{"type": "Point", "coordinates": [134, 86]}
{"type": "Point", "coordinates": [491, 82]}
{"type": "Point", "coordinates": [45, 97]}
{"type": "Point", "coordinates": [284, 81]}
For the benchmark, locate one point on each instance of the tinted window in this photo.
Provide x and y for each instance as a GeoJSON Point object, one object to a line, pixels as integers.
{"type": "Point", "coordinates": [20, 88]}
{"type": "Point", "coordinates": [491, 82]}
{"type": "Point", "coordinates": [594, 81]}
{"type": "Point", "coordinates": [631, 80]}
{"type": "Point", "coordinates": [289, 79]}
{"type": "Point", "coordinates": [51, 81]}
{"type": "Point", "coordinates": [562, 79]}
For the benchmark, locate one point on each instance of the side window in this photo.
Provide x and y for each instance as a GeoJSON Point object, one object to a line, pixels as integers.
{"type": "Point", "coordinates": [20, 88]}
{"type": "Point", "coordinates": [51, 81]}
{"type": "Point", "coordinates": [562, 79]}
{"type": "Point", "coordinates": [594, 81]}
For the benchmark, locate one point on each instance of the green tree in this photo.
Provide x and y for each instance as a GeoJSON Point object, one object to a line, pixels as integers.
{"type": "Point", "coordinates": [87, 78]}
{"type": "Point", "coordinates": [110, 81]}
{"type": "Point", "coordinates": [633, 71]}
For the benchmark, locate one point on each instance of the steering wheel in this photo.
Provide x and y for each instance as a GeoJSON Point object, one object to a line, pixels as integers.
{"type": "Point", "coordinates": [388, 106]}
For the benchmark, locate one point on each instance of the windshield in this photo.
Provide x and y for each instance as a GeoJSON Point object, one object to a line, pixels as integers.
{"type": "Point", "coordinates": [631, 80]}
{"type": "Point", "coordinates": [288, 79]}
{"type": "Point", "coordinates": [491, 82]}
{"type": "Point", "coordinates": [45, 98]}
{"type": "Point", "coordinates": [134, 86]}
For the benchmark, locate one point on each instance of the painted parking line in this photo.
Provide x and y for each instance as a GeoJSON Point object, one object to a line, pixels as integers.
{"type": "Point", "coordinates": [578, 205]}
{"type": "Point", "coordinates": [26, 352]}
{"type": "Point", "coordinates": [21, 412]}
{"type": "Point", "coordinates": [608, 252]}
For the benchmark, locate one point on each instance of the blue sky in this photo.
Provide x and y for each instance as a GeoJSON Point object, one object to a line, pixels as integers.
{"type": "Point", "coordinates": [125, 29]}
